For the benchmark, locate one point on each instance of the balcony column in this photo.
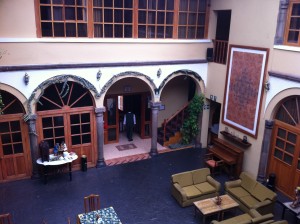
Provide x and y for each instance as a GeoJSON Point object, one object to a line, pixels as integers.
{"type": "Point", "coordinates": [34, 149]}
{"type": "Point", "coordinates": [264, 155]}
{"type": "Point", "coordinates": [100, 136]}
{"type": "Point", "coordinates": [155, 108]}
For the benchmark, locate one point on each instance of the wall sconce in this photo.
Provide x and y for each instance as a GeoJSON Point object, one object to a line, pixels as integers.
{"type": "Point", "coordinates": [267, 85]}
{"type": "Point", "coordinates": [98, 76]}
{"type": "Point", "coordinates": [158, 73]}
{"type": "Point", "coordinates": [26, 79]}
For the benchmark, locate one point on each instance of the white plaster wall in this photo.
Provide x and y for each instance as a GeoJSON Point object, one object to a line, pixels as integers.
{"type": "Point", "coordinates": [16, 79]}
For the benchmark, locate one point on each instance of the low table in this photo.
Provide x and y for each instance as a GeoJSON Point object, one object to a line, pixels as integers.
{"type": "Point", "coordinates": [57, 163]}
{"type": "Point", "coordinates": [209, 207]}
{"type": "Point", "coordinates": [295, 211]}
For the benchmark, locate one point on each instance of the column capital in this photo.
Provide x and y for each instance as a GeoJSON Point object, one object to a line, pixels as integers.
{"type": "Point", "coordinates": [100, 110]}
{"type": "Point", "coordinates": [155, 105]}
{"type": "Point", "coordinates": [284, 4]}
{"type": "Point", "coordinates": [30, 117]}
{"type": "Point", "coordinates": [269, 124]}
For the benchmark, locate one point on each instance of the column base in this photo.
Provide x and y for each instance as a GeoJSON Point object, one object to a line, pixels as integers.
{"type": "Point", "coordinates": [100, 164]}
{"type": "Point", "coordinates": [153, 152]}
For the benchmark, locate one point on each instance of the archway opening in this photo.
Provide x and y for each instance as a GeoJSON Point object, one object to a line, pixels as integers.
{"type": "Point", "coordinates": [284, 154]}
{"type": "Point", "coordinates": [66, 114]}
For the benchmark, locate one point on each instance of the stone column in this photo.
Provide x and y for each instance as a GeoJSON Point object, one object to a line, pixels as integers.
{"type": "Point", "coordinates": [281, 21]}
{"type": "Point", "coordinates": [155, 108]}
{"type": "Point", "coordinates": [34, 148]}
{"type": "Point", "coordinates": [264, 155]}
{"type": "Point", "coordinates": [100, 136]}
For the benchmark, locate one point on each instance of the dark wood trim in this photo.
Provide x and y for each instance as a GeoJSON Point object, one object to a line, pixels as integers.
{"type": "Point", "coordinates": [93, 65]}
{"type": "Point", "coordinates": [289, 77]}
{"type": "Point", "coordinates": [37, 18]}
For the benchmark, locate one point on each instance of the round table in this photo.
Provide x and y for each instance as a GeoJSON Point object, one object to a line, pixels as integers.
{"type": "Point", "coordinates": [65, 161]}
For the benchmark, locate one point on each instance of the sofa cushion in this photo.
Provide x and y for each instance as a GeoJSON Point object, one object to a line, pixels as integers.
{"type": "Point", "coordinates": [191, 191]}
{"type": "Point", "coordinates": [199, 176]}
{"type": "Point", "coordinates": [248, 183]}
{"type": "Point", "coordinates": [249, 201]}
{"type": "Point", "coordinates": [244, 218]}
{"type": "Point", "coordinates": [205, 188]}
{"type": "Point", "coordinates": [262, 193]}
{"type": "Point", "coordinates": [238, 192]}
{"type": "Point", "coordinates": [183, 179]}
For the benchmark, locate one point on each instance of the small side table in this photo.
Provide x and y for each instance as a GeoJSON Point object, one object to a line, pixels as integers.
{"type": "Point", "coordinates": [295, 211]}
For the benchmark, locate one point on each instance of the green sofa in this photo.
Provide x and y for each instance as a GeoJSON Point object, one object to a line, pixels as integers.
{"type": "Point", "coordinates": [251, 194]}
{"type": "Point", "coordinates": [188, 187]}
{"type": "Point", "coordinates": [252, 216]}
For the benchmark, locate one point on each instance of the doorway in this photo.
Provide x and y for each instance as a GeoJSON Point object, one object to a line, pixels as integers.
{"type": "Point", "coordinates": [214, 121]}
{"type": "Point", "coordinates": [116, 108]}
{"type": "Point", "coordinates": [66, 113]}
{"type": "Point", "coordinates": [15, 162]}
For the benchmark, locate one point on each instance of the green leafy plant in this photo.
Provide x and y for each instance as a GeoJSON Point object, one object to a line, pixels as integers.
{"type": "Point", "coordinates": [190, 128]}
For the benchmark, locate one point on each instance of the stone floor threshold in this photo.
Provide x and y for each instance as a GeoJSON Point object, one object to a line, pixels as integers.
{"type": "Point", "coordinates": [137, 157]}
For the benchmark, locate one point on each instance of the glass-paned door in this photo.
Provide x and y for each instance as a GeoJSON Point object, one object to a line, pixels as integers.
{"type": "Point", "coordinates": [285, 157]}
{"type": "Point", "coordinates": [66, 114]}
{"type": "Point", "coordinates": [53, 129]}
{"type": "Point", "coordinates": [111, 119]}
{"type": "Point", "coordinates": [15, 160]}
{"type": "Point", "coordinates": [13, 156]}
{"type": "Point", "coordinates": [81, 127]}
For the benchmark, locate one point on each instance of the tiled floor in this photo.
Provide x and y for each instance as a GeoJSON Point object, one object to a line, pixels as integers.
{"type": "Point", "coordinates": [142, 146]}
{"type": "Point", "coordinates": [138, 191]}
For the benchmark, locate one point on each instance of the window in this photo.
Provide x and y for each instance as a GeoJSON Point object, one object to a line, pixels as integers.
{"type": "Point", "coordinates": [158, 19]}
{"type": "Point", "coordinates": [293, 24]}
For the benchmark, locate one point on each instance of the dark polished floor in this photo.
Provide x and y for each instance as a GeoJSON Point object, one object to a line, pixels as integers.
{"type": "Point", "coordinates": [138, 191]}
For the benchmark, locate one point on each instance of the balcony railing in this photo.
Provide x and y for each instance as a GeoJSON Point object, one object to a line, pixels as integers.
{"type": "Point", "coordinates": [220, 51]}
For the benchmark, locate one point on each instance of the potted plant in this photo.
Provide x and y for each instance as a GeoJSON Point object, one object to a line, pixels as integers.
{"type": "Point", "coordinates": [190, 128]}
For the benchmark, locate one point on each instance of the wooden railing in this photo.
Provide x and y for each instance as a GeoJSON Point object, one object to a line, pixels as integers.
{"type": "Point", "coordinates": [178, 116]}
{"type": "Point", "coordinates": [220, 51]}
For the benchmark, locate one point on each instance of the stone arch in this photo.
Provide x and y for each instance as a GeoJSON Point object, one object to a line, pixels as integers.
{"type": "Point", "coordinates": [16, 93]}
{"type": "Point", "coordinates": [192, 74]}
{"type": "Point", "coordinates": [276, 101]}
{"type": "Point", "coordinates": [38, 91]}
{"type": "Point", "coordinates": [128, 74]}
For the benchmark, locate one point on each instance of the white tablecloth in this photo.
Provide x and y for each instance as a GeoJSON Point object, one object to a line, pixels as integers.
{"type": "Point", "coordinates": [57, 162]}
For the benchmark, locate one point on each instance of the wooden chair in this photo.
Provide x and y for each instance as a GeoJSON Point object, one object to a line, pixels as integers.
{"type": "Point", "coordinates": [5, 219]}
{"type": "Point", "coordinates": [91, 203]}
{"type": "Point", "coordinates": [213, 163]}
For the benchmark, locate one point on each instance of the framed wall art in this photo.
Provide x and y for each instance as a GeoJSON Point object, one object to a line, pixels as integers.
{"type": "Point", "coordinates": [245, 79]}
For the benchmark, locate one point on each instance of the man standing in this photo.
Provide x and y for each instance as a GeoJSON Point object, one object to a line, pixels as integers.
{"type": "Point", "coordinates": [129, 122]}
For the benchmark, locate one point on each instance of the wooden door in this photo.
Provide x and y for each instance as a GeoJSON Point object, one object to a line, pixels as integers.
{"type": "Point", "coordinates": [285, 157]}
{"type": "Point", "coordinates": [146, 116]}
{"type": "Point", "coordinates": [66, 113]}
{"type": "Point", "coordinates": [111, 119]}
{"type": "Point", "coordinates": [75, 128]}
{"type": "Point", "coordinates": [14, 148]}
{"type": "Point", "coordinates": [81, 137]}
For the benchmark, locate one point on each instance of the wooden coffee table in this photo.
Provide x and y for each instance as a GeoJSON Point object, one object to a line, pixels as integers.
{"type": "Point", "coordinates": [208, 206]}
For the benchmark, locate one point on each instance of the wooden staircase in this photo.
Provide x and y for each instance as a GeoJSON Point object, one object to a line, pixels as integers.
{"type": "Point", "coordinates": [169, 133]}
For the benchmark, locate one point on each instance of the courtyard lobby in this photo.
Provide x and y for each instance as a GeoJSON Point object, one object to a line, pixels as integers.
{"type": "Point", "coordinates": [138, 191]}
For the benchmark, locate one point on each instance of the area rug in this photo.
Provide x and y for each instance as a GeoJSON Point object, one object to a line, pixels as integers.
{"type": "Point", "coordinates": [125, 147]}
